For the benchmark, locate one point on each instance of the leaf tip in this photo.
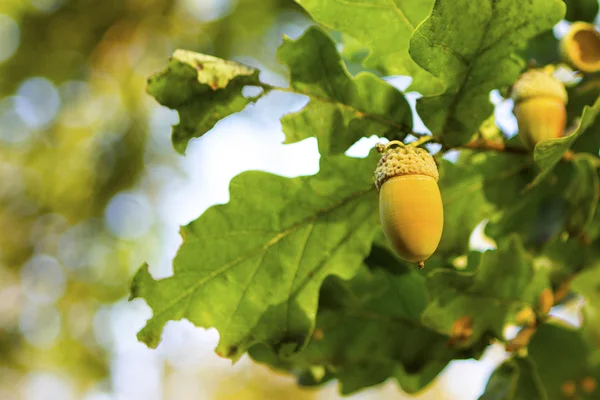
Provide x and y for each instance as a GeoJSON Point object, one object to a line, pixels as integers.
{"type": "Point", "coordinates": [149, 339]}
{"type": "Point", "coordinates": [139, 281]}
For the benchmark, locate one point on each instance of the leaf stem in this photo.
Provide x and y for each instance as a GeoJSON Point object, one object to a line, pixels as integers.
{"type": "Point", "coordinates": [422, 138]}
{"type": "Point", "coordinates": [421, 141]}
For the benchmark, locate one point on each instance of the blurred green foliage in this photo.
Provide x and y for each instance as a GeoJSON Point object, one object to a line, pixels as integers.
{"type": "Point", "coordinates": [74, 132]}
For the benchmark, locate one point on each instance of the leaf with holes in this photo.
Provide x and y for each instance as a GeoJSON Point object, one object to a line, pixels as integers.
{"type": "Point", "coordinates": [474, 56]}
{"type": "Point", "coordinates": [253, 267]}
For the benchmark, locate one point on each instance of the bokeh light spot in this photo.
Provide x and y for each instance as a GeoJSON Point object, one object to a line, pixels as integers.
{"type": "Point", "coordinates": [206, 10]}
{"type": "Point", "coordinates": [37, 102]}
{"type": "Point", "coordinates": [128, 215]}
{"type": "Point", "coordinates": [40, 324]}
{"type": "Point", "coordinates": [43, 279]}
{"type": "Point", "coordinates": [48, 386]}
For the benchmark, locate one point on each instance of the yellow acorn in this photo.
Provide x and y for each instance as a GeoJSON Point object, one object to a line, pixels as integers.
{"type": "Point", "coordinates": [540, 101]}
{"type": "Point", "coordinates": [410, 203]}
{"type": "Point", "coordinates": [580, 47]}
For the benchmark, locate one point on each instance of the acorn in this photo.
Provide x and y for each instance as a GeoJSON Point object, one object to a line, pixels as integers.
{"type": "Point", "coordinates": [410, 203]}
{"type": "Point", "coordinates": [540, 101]}
{"type": "Point", "coordinates": [580, 47]}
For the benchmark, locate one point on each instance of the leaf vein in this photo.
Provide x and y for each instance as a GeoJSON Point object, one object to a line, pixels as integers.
{"type": "Point", "coordinates": [267, 245]}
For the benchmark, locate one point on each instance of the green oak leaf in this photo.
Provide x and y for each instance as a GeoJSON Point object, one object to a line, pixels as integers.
{"type": "Point", "coordinates": [594, 230]}
{"type": "Point", "coordinates": [470, 45]}
{"type": "Point", "coordinates": [474, 189]}
{"type": "Point", "coordinates": [581, 95]}
{"type": "Point", "coordinates": [548, 153]}
{"type": "Point", "coordinates": [253, 267]}
{"type": "Point", "coordinates": [587, 284]}
{"type": "Point", "coordinates": [565, 257]}
{"type": "Point", "coordinates": [353, 51]}
{"type": "Point", "coordinates": [342, 109]}
{"type": "Point", "coordinates": [465, 205]}
{"type": "Point", "coordinates": [203, 89]}
{"type": "Point", "coordinates": [564, 356]}
{"type": "Point", "coordinates": [583, 194]}
{"type": "Point", "coordinates": [581, 10]}
{"type": "Point", "coordinates": [536, 214]}
{"type": "Point", "coordinates": [503, 284]}
{"type": "Point", "coordinates": [515, 379]}
{"type": "Point", "coordinates": [384, 27]}
{"type": "Point", "coordinates": [504, 174]}
{"type": "Point", "coordinates": [543, 49]}
{"type": "Point", "coordinates": [368, 330]}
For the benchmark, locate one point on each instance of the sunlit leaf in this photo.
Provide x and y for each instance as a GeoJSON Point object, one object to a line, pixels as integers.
{"type": "Point", "coordinates": [342, 109]}
{"type": "Point", "coordinates": [253, 267]}
{"type": "Point", "coordinates": [470, 45]}
{"type": "Point", "coordinates": [384, 27]}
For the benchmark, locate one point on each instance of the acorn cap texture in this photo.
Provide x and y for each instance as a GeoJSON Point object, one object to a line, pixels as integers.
{"type": "Point", "coordinates": [407, 160]}
{"type": "Point", "coordinates": [538, 82]}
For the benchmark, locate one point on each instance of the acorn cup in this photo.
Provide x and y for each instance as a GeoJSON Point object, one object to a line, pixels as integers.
{"type": "Point", "coordinates": [540, 101]}
{"type": "Point", "coordinates": [410, 203]}
{"type": "Point", "coordinates": [580, 47]}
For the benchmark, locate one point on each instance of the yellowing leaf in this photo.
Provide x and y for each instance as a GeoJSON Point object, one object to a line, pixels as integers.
{"type": "Point", "coordinates": [203, 89]}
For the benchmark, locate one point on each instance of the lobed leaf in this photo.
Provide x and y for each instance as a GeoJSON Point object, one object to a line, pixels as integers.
{"type": "Point", "coordinates": [253, 267]}
{"type": "Point", "coordinates": [203, 89]}
{"type": "Point", "coordinates": [369, 329]}
{"type": "Point", "coordinates": [342, 109]}
{"type": "Point", "coordinates": [384, 27]}
{"type": "Point", "coordinates": [470, 46]}
{"type": "Point", "coordinates": [504, 283]}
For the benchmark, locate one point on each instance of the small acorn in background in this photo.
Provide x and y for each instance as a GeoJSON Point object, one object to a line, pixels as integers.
{"type": "Point", "coordinates": [410, 203]}
{"type": "Point", "coordinates": [540, 101]}
{"type": "Point", "coordinates": [580, 47]}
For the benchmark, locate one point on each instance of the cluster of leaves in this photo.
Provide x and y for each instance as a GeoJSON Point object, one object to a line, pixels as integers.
{"type": "Point", "coordinates": [297, 273]}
